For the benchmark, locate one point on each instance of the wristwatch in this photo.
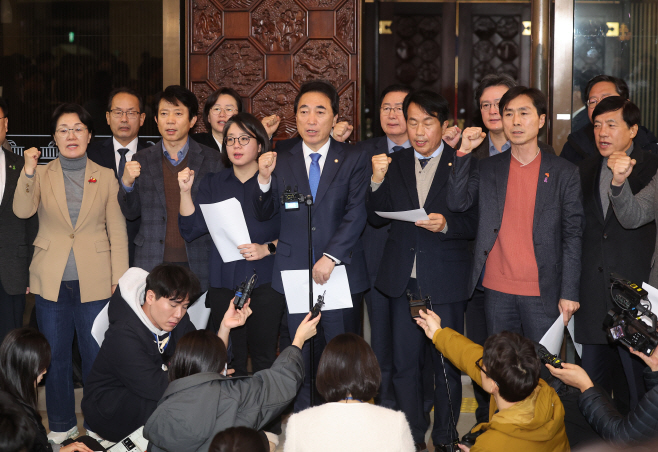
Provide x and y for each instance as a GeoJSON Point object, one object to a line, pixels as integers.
{"type": "Point", "coordinates": [271, 247]}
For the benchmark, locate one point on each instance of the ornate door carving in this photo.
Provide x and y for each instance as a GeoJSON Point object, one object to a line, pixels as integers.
{"type": "Point", "coordinates": [264, 49]}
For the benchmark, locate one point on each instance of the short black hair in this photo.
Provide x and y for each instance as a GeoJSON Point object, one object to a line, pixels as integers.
{"type": "Point", "coordinates": [67, 108]}
{"type": "Point", "coordinates": [620, 85]}
{"type": "Point", "coordinates": [125, 90]}
{"type": "Point", "coordinates": [173, 282]}
{"type": "Point", "coordinates": [537, 97]}
{"type": "Point", "coordinates": [212, 99]}
{"type": "Point", "coordinates": [395, 88]}
{"type": "Point", "coordinates": [490, 80]}
{"type": "Point", "coordinates": [430, 102]}
{"type": "Point", "coordinates": [629, 111]}
{"type": "Point", "coordinates": [239, 439]}
{"type": "Point", "coordinates": [16, 430]}
{"type": "Point", "coordinates": [196, 352]}
{"type": "Point", "coordinates": [176, 94]}
{"type": "Point", "coordinates": [348, 366]}
{"type": "Point", "coordinates": [24, 354]}
{"type": "Point", "coordinates": [512, 362]}
{"type": "Point", "coordinates": [4, 107]}
{"type": "Point", "coordinates": [249, 124]}
{"type": "Point", "coordinates": [323, 87]}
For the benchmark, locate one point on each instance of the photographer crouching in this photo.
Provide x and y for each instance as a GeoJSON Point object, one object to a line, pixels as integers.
{"type": "Point", "coordinates": [525, 413]}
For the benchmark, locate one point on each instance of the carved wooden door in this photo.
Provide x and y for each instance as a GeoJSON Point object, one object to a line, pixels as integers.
{"type": "Point", "coordinates": [265, 49]}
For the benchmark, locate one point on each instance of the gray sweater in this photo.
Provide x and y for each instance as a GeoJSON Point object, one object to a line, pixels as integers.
{"type": "Point", "coordinates": [74, 184]}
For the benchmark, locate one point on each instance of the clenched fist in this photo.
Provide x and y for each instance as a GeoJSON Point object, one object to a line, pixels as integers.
{"type": "Point", "coordinates": [471, 138]}
{"type": "Point", "coordinates": [185, 180]}
{"type": "Point", "coordinates": [31, 160]}
{"type": "Point", "coordinates": [266, 164]}
{"type": "Point", "coordinates": [621, 166]}
{"type": "Point", "coordinates": [452, 135]}
{"type": "Point", "coordinates": [271, 123]}
{"type": "Point", "coordinates": [380, 164]}
{"type": "Point", "coordinates": [342, 131]}
{"type": "Point", "coordinates": [130, 173]}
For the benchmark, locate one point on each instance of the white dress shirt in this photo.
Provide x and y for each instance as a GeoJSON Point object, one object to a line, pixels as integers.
{"type": "Point", "coordinates": [132, 148]}
{"type": "Point", "coordinates": [219, 143]}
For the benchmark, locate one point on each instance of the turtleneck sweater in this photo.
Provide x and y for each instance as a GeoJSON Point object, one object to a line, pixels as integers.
{"type": "Point", "coordinates": [74, 184]}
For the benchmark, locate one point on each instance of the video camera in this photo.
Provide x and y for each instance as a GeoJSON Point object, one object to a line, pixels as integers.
{"type": "Point", "coordinates": [291, 200]}
{"type": "Point", "coordinates": [624, 321]}
{"type": "Point", "coordinates": [243, 293]}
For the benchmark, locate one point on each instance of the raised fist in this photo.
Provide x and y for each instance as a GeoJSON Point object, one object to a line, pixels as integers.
{"type": "Point", "coordinates": [130, 173]}
{"type": "Point", "coordinates": [31, 160]}
{"type": "Point", "coordinates": [342, 131]}
{"type": "Point", "coordinates": [471, 138]}
{"type": "Point", "coordinates": [266, 164]}
{"type": "Point", "coordinates": [380, 164]}
{"type": "Point", "coordinates": [185, 180]}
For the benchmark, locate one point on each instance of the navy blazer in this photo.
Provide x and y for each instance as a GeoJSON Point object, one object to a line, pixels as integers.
{"type": "Point", "coordinates": [217, 187]}
{"type": "Point", "coordinates": [102, 152]}
{"type": "Point", "coordinates": [338, 214]}
{"type": "Point", "coordinates": [443, 260]}
{"type": "Point", "coordinates": [558, 221]}
{"type": "Point", "coordinates": [147, 200]}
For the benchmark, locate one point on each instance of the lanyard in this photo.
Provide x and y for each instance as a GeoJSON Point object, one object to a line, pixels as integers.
{"type": "Point", "coordinates": [162, 344]}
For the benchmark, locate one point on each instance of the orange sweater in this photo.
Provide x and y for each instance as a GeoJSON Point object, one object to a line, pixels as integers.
{"type": "Point", "coordinates": [511, 266]}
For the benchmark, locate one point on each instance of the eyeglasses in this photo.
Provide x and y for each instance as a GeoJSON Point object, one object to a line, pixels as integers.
{"type": "Point", "coordinates": [487, 105]}
{"type": "Point", "coordinates": [387, 110]}
{"type": "Point", "coordinates": [242, 139]}
{"type": "Point", "coordinates": [478, 363]}
{"type": "Point", "coordinates": [592, 101]}
{"type": "Point", "coordinates": [216, 111]}
{"type": "Point", "coordinates": [77, 131]}
{"type": "Point", "coordinates": [118, 113]}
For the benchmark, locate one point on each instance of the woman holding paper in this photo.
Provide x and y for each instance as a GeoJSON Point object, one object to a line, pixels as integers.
{"type": "Point", "coordinates": [244, 141]}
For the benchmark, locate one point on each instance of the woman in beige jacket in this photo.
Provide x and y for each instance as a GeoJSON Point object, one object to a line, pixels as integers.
{"type": "Point", "coordinates": [80, 252]}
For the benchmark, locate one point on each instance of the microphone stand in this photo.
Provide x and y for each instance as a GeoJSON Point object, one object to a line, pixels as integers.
{"type": "Point", "coordinates": [308, 200]}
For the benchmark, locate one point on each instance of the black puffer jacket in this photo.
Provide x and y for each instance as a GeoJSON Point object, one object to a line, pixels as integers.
{"type": "Point", "coordinates": [641, 424]}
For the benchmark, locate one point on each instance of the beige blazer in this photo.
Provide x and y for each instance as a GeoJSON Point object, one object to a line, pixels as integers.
{"type": "Point", "coordinates": [99, 239]}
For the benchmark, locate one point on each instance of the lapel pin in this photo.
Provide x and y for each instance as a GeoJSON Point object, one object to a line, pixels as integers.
{"type": "Point", "coordinates": [93, 180]}
{"type": "Point", "coordinates": [450, 164]}
{"type": "Point", "coordinates": [546, 178]}
{"type": "Point", "coordinates": [336, 161]}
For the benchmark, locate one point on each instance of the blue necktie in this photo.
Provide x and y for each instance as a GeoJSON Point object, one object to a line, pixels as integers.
{"type": "Point", "coordinates": [424, 162]}
{"type": "Point", "coordinates": [314, 173]}
{"type": "Point", "coordinates": [396, 148]}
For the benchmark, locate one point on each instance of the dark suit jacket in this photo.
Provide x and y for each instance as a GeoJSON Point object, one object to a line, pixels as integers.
{"type": "Point", "coordinates": [338, 214]}
{"type": "Point", "coordinates": [557, 226]}
{"type": "Point", "coordinates": [287, 145]}
{"type": "Point", "coordinates": [443, 260]}
{"type": "Point", "coordinates": [17, 235]}
{"type": "Point", "coordinates": [102, 152]}
{"type": "Point", "coordinates": [147, 200]}
{"type": "Point", "coordinates": [609, 247]}
{"type": "Point", "coordinates": [206, 139]}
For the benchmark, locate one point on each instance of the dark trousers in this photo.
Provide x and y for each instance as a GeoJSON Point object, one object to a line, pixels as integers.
{"type": "Point", "coordinates": [516, 313]}
{"type": "Point", "coordinates": [11, 312]}
{"type": "Point", "coordinates": [476, 330]}
{"type": "Point", "coordinates": [381, 341]}
{"type": "Point", "coordinates": [409, 347]}
{"type": "Point", "coordinates": [256, 338]}
{"type": "Point", "coordinates": [601, 361]}
{"type": "Point", "coordinates": [334, 322]}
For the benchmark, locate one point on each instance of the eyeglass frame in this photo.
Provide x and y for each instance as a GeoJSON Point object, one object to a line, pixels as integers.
{"type": "Point", "coordinates": [596, 101]}
{"type": "Point", "coordinates": [496, 105]}
{"type": "Point", "coordinates": [387, 110]}
{"type": "Point", "coordinates": [117, 113]}
{"type": "Point", "coordinates": [216, 111]}
{"type": "Point", "coordinates": [479, 366]}
{"type": "Point", "coordinates": [239, 139]}
{"type": "Point", "coordinates": [64, 132]}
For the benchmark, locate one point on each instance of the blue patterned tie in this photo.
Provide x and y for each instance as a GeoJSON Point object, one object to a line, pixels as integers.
{"type": "Point", "coordinates": [424, 162]}
{"type": "Point", "coordinates": [314, 173]}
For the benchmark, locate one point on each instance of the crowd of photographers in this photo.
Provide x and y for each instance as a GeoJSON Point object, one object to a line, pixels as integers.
{"type": "Point", "coordinates": [511, 238]}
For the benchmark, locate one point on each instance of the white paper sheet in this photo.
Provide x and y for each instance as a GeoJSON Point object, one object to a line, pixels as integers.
{"type": "Point", "coordinates": [227, 227]}
{"type": "Point", "coordinates": [101, 324]}
{"type": "Point", "coordinates": [198, 313]}
{"type": "Point", "coordinates": [552, 339]}
{"type": "Point", "coordinates": [295, 285]}
{"type": "Point", "coordinates": [406, 215]}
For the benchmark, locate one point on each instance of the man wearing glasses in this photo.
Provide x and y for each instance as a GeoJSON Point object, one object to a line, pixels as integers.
{"type": "Point", "coordinates": [581, 143]}
{"type": "Point", "coordinates": [125, 115]}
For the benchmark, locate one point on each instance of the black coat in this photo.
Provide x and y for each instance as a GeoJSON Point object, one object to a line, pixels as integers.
{"type": "Point", "coordinates": [639, 425]}
{"type": "Point", "coordinates": [443, 260]}
{"type": "Point", "coordinates": [127, 378]}
{"type": "Point", "coordinates": [206, 139]}
{"type": "Point", "coordinates": [609, 247]}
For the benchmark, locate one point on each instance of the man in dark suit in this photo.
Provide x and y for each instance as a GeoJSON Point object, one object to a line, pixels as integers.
{"type": "Point", "coordinates": [149, 186]}
{"type": "Point", "coordinates": [530, 221]}
{"type": "Point", "coordinates": [609, 247]}
{"type": "Point", "coordinates": [581, 143]}
{"type": "Point", "coordinates": [426, 258]}
{"type": "Point", "coordinates": [374, 238]}
{"type": "Point", "coordinates": [125, 115]}
{"type": "Point", "coordinates": [335, 175]}
{"type": "Point", "coordinates": [17, 236]}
